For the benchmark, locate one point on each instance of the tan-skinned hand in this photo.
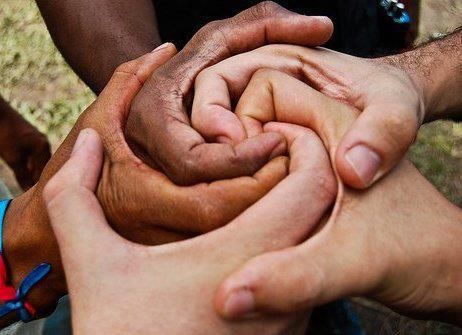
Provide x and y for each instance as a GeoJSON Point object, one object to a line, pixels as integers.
{"type": "Point", "coordinates": [397, 242]}
{"type": "Point", "coordinates": [389, 101]}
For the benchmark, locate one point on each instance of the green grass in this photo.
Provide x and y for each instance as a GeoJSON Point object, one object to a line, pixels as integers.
{"type": "Point", "coordinates": [438, 155]}
{"type": "Point", "coordinates": [35, 78]}
{"type": "Point", "coordinates": [38, 82]}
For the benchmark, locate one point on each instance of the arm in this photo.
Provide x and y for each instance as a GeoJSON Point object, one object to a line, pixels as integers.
{"type": "Point", "coordinates": [397, 242]}
{"type": "Point", "coordinates": [22, 146]}
{"type": "Point", "coordinates": [147, 287]}
{"type": "Point", "coordinates": [437, 68]}
{"type": "Point", "coordinates": [97, 36]}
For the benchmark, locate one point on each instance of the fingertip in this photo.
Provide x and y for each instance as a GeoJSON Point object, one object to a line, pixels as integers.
{"type": "Point", "coordinates": [327, 24]}
{"type": "Point", "coordinates": [87, 141]}
{"type": "Point", "coordinates": [166, 47]}
{"type": "Point", "coordinates": [237, 304]}
{"type": "Point", "coordinates": [234, 299]}
{"type": "Point", "coordinates": [321, 29]}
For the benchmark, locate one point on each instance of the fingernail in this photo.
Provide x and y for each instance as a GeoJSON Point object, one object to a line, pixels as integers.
{"type": "Point", "coordinates": [79, 143]}
{"type": "Point", "coordinates": [239, 303]}
{"type": "Point", "coordinates": [364, 162]}
{"type": "Point", "coordinates": [162, 46]}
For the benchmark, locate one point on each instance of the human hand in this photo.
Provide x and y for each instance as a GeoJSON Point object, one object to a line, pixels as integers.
{"type": "Point", "coordinates": [22, 146]}
{"type": "Point", "coordinates": [390, 103]}
{"type": "Point", "coordinates": [127, 183]}
{"type": "Point", "coordinates": [150, 285]}
{"type": "Point", "coordinates": [141, 203]}
{"type": "Point", "coordinates": [397, 242]}
{"type": "Point", "coordinates": [158, 127]}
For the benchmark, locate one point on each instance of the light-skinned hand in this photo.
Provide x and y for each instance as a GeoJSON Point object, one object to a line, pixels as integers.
{"type": "Point", "coordinates": [397, 242]}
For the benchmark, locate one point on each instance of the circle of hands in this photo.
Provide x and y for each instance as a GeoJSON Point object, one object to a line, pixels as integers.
{"type": "Point", "coordinates": [241, 167]}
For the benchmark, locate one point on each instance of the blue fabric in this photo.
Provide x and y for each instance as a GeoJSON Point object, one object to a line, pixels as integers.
{"type": "Point", "coordinates": [26, 285]}
{"type": "Point", "coordinates": [36, 275]}
{"type": "Point", "coordinates": [3, 207]}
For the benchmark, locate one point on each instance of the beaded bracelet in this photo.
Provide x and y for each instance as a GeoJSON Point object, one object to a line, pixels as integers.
{"type": "Point", "coordinates": [15, 300]}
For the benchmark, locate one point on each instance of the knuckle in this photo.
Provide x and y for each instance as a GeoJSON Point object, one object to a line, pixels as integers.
{"type": "Point", "coordinates": [201, 117]}
{"type": "Point", "coordinates": [54, 187]}
{"type": "Point", "coordinates": [209, 210]}
{"type": "Point", "coordinates": [213, 217]}
{"type": "Point", "coordinates": [234, 159]}
{"type": "Point", "coordinates": [213, 25]}
{"type": "Point", "coordinates": [264, 74]}
{"type": "Point", "coordinates": [124, 68]}
{"type": "Point", "coordinates": [56, 196]}
{"type": "Point", "coordinates": [401, 128]}
{"type": "Point", "coordinates": [265, 9]}
{"type": "Point", "coordinates": [259, 268]}
{"type": "Point", "coordinates": [115, 196]}
{"type": "Point", "coordinates": [204, 75]}
{"type": "Point", "coordinates": [326, 187]}
{"type": "Point", "coordinates": [296, 286]}
{"type": "Point", "coordinates": [219, 40]}
{"type": "Point", "coordinates": [184, 173]}
{"type": "Point", "coordinates": [209, 30]}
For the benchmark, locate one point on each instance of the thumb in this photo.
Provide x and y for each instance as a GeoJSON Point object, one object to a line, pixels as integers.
{"type": "Point", "coordinates": [293, 279]}
{"type": "Point", "coordinates": [376, 141]}
{"type": "Point", "coordinates": [75, 213]}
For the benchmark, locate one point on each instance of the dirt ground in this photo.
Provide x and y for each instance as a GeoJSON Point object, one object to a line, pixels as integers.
{"type": "Point", "coordinates": [36, 80]}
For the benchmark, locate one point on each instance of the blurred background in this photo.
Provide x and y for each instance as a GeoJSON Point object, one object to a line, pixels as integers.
{"type": "Point", "coordinates": [38, 83]}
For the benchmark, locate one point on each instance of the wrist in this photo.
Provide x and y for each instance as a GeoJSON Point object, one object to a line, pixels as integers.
{"type": "Point", "coordinates": [28, 241]}
{"type": "Point", "coordinates": [406, 62]}
{"type": "Point", "coordinates": [433, 68]}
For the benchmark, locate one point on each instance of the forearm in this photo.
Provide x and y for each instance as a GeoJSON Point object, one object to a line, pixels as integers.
{"type": "Point", "coordinates": [28, 240]}
{"type": "Point", "coordinates": [97, 36]}
{"type": "Point", "coordinates": [436, 69]}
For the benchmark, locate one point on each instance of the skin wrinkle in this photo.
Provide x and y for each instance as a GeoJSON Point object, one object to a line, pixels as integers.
{"type": "Point", "coordinates": [308, 66]}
